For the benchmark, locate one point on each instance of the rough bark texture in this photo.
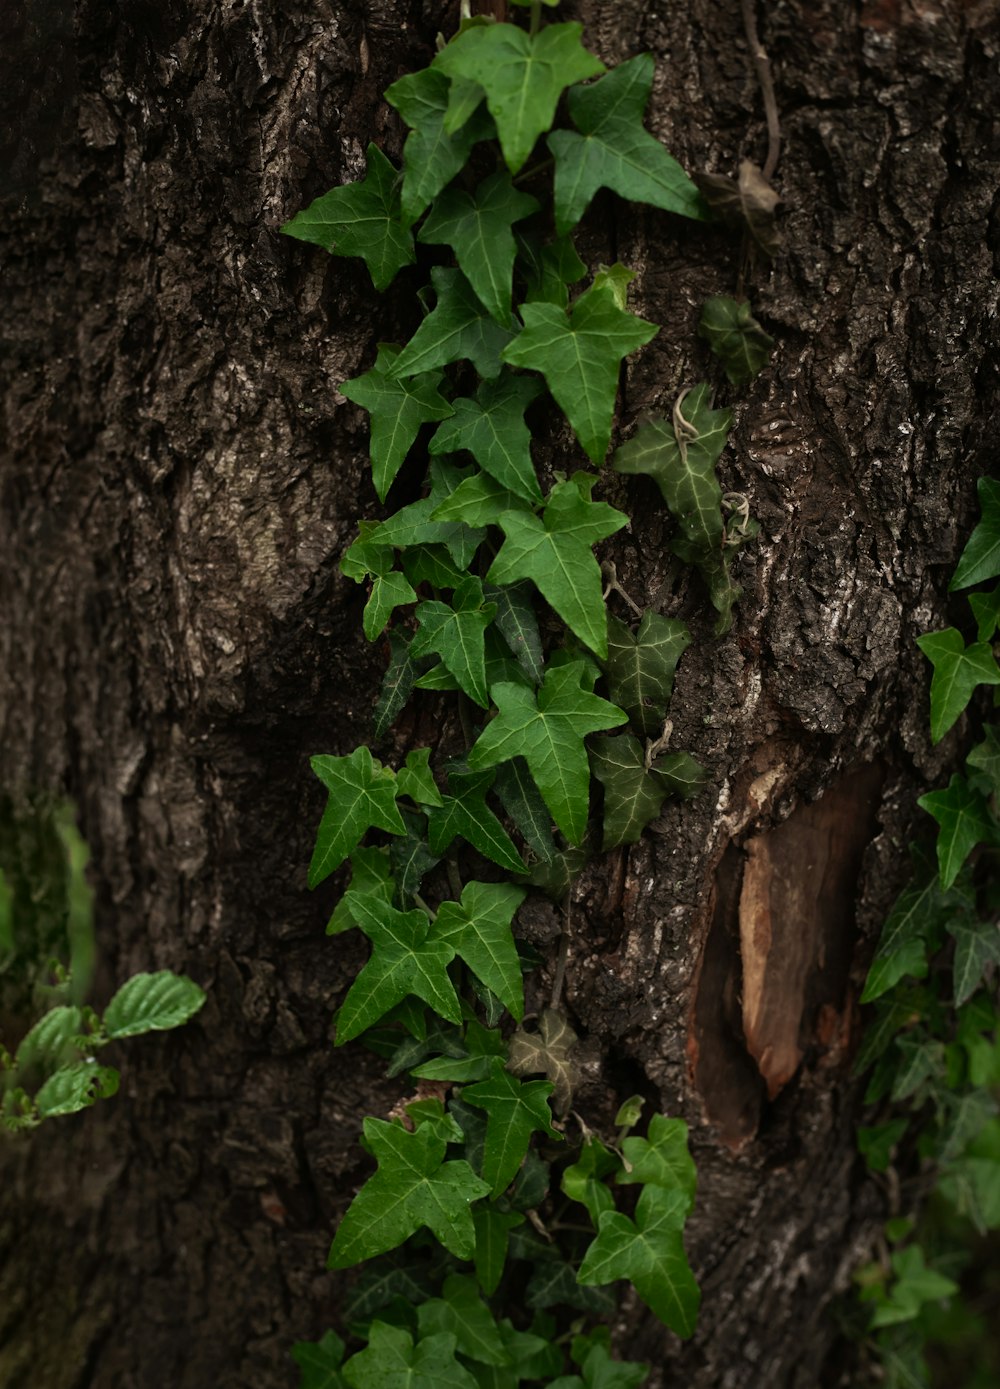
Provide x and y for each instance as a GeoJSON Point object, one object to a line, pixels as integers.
{"type": "Point", "coordinates": [179, 478]}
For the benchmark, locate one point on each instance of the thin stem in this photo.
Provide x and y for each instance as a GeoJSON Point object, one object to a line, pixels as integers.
{"type": "Point", "coordinates": [431, 914]}
{"type": "Point", "coordinates": [560, 975]}
{"type": "Point", "coordinates": [762, 67]}
{"type": "Point", "coordinates": [536, 17]}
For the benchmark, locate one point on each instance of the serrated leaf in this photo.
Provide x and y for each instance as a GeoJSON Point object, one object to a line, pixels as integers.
{"type": "Point", "coordinates": [492, 427]}
{"type": "Point", "coordinates": [649, 1252]}
{"type": "Point", "coordinates": [523, 76]}
{"type": "Point", "coordinates": [478, 930]}
{"type": "Point", "coordinates": [152, 1003]}
{"type": "Point", "coordinates": [432, 155]}
{"type": "Point", "coordinates": [516, 621]}
{"type": "Point", "coordinates": [76, 1087]}
{"type": "Point", "coordinates": [462, 1313]}
{"type": "Point", "coordinates": [980, 560]}
{"type": "Point", "coordinates": [392, 1361]}
{"type": "Point", "coordinates": [389, 592]}
{"type": "Point", "coordinates": [548, 731]}
{"type": "Point", "coordinates": [977, 944]}
{"type": "Point", "coordinates": [456, 634]}
{"type": "Point", "coordinates": [549, 269]}
{"type": "Point", "coordinates": [958, 670]}
{"type": "Point", "coordinates": [398, 407]}
{"type": "Point", "coordinates": [456, 329]}
{"type": "Point", "coordinates": [515, 1110]}
{"type": "Point", "coordinates": [477, 227]}
{"type": "Point", "coordinates": [404, 960]}
{"type": "Point", "coordinates": [397, 686]}
{"type": "Point", "coordinates": [362, 796]}
{"type": "Point", "coordinates": [49, 1044]}
{"type": "Point", "coordinates": [493, 1227]}
{"type": "Point", "coordinates": [633, 796]}
{"type": "Point", "coordinates": [554, 552]}
{"type": "Point", "coordinates": [547, 1051]}
{"type": "Point", "coordinates": [735, 337]}
{"type": "Point", "coordinates": [412, 1187]}
{"type": "Point", "coordinates": [680, 774]}
{"type": "Point", "coordinates": [320, 1362]}
{"type": "Point", "coordinates": [902, 949]}
{"type": "Point", "coordinates": [580, 355]}
{"type": "Point", "coordinates": [523, 802]}
{"type": "Point", "coordinates": [662, 1158]}
{"type": "Point", "coordinates": [613, 150]}
{"type": "Point", "coordinates": [416, 779]}
{"type": "Point", "coordinates": [361, 219]}
{"type": "Point", "coordinates": [963, 820]}
{"type": "Point", "coordinates": [746, 203]}
{"type": "Point", "coordinates": [466, 813]}
{"type": "Point", "coordinates": [584, 1180]}
{"type": "Point", "coordinates": [640, 667]}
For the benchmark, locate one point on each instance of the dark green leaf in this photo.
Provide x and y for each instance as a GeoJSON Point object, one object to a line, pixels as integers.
{"type": "Point", "coordinates": [516, 1109]}
{"type": "Point", "coordinates": [963, 820]}
{"type": "Point", "coordinates": [986, 610]}
{"type": "Point", "coordinates": [735, 336]}
{"type": "Point", "coordinates": [640, 667]}
{"type": "Point", "coordinates": [556, 875]}
{"type": "Point", "coordinates": [398, 408]}
{"type": "Point", "coordinates": [981, 557]}
{"type": "Point", "coordinates": [456, 634]}
{"type": "Point", "coordinates": [977, 944]}
{"type": "Point", "coordinates": [958, 669]}
{"type": "Point", "coordinates": [549, 270]}
{"type": "Point", "coordinates": [522, 801]}
{"type": "Point", "coordinates": [432, 156]}
{"type": "Point", "coordinates": [397, 685]}
{"type": "Point", "coordinates": [479, 501]}
{"type": "Point", "coordinates": [461, 1312]}
{"type": "Point", "coordinates": [466, 813]}
{"type": "Point", "coordinates": [492, 1229]}
{"type": "Point", "coordinates": [413, 524]}
{"type": "Point", "coordinates": [410, 857]}
{"type": "Point", "coordinates": [320, 1362]}
{"type": "Point", "coordinates": [431, 564]}
{"type": "Point", "coordinates": [914, 920]}
{"type": "Point", "coordinates": [458, 327]}
{"type": "Point", "coordinates": [416, 779]}
{"type": "Point", "coordinates": [633, 796]}
{"type": "Point", "coordinates": [876, 1144]}
{"type": "Point", "coordinates": [984, 759]}
{"type": "Point", "coordinates": [478, 930]}
{"type": "Point", "coordinates": [389, 592]}
{"type": "Point", "coordinates": [680, 774]}
{"type": "Point", "coordinates": [515, 618]}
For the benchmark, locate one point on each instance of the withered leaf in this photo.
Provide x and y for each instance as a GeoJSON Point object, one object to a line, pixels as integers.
{"type": "Point", "coordinates": [547, 1051]}
{"type": "Point", "coordinates": [746, 202]}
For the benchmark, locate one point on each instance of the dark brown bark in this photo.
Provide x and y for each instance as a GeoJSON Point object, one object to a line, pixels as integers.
{"type": "Point", "coordinates": [179, 479]}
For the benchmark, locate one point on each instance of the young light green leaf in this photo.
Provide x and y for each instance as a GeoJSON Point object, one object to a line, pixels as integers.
{"type": "Point", "coordinates": [414, 524]}
{"type": "Point", "coordinates": [405, 959]}
{"type": "Point", "coordinates": [613, 150]}
{"type": "Point", "coordinates": [73, 1088]}
{"type": "Point", "coordinates": [362, 796]}
{"type": "Point", "coordinates": [958, 669]}
{"type": "Point", "coordinates": [516, 621]}
{"type": "Point", "coordinates": [397, 686]}
{"type": "Point", "coordinates": [584, 1180]}
{"type": "Point", "coordinates": [964, 821]}
{"type": "Point", "coordinates": [466, 813]}
{"type": "Point", "coordinates": [49, 1044]}
{"type": "Point", "coordinates": [554, 552]}
{"type": "Point", "coordinates": [522, 74]}
{"type": "Point", "coordinates": [477, 227]}
{"type": "Point", "coordinates": [980, 559]}
{"type": "Point", "coordinates": [580, 354]}
{"type": "Point", "coordinates": [371, 876]}
{"type": "Point", "coordinates": [458, 327]}
{"type": "Point", "coordinates": [457, 634]}
{"type": "Point", "coordinates": [522, 801]}
{"type": "Point", "coordinates": [977, 944]}
{"type": "Point", "coordinates": [416, 779]}
{"type": "Point", "coordinates": [549, 270]}
{"type": "Point", "coordinates": [548, 731]}
{"type": "Point", "coordinates": [648, 1251]}
{"type": "Point", "coordinates": [640, 667]}
{"type": "Point", "coordinates": [461, 1312]}
{"type": "Point", "coordinates": [432, 155]}
{"type": "Point", "coordinates": [478, 930]}
{"type": "Point", "coordinates": [735, 337]}
{"type": "Point", "coordinates": [547, 1051]}
{"type": "Point", "coordinates": [392, 1361]}
{"type": "Point", "coordinates": [389, 592]}
{"type": "Point", "coordinates": [152, 1003]}
{"type": "Point", "coordinates": [913, 1285]}
{"type": "Point", "coordinates": [986, 610]}
{"type": "Point", "coordinates": [633, 796]}
{"type": "Point", "coordinates": [662, 1158]}
{"type": "Point", "coordinates": [516, 1109]}
{"type": "Point", "coordinates": [361, 219]}
{"type": "Point", "coordinates": [397, 408]}
{"type": "Point", "coordinates": [493, 429]}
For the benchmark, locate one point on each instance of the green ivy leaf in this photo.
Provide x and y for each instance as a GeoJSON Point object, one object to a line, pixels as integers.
{"type": "Point", "coordinates": [461, 1312]}
{"type": "Point", "coordinates": [554, 552]}
{"type": "Point", "coordinates": [916, 917]}
{"type": "Point", "coordinates": [584, 1180]}
{"type": "Point", "coordinates": [958, 669]}
{"type": "Point", "coordinates": [522, 74]}
{"type": "Point", "coordinates": [152, 1003]}
{"type": "Point", "coordinates": [593, 1354]}
{"type": "Point", "coordinates": [633, 796]}
{"type": "Point", "coordinates": [478, 930]}
{"type": "Point", "coordinates": [458, 327]}
{"type": "Point", "coordinates": [649, 1252]}
{"type": "Point", "coordinates": [412, 1187]}
{"type": "Point", "coordinates": [477, 227]}
{"type": "Point", "coordinates": [361, 219]}
{"type": "Point", "coordinates": [613, 150]}
{"type": "Point", "coordinates": [405, 959]}
{"type": "Point", "coordinates": [414, 524]}
{"type": "Point", "coordinates": [735, 337]}
{"type": "Point", "coordinates": [362, 796]}
{"type": "Point", "coordinates": [432, 564]}
{"type": "Point", "coordinates": [466, 813]}
{"type": "Point", "coordinates": [547, 1051]}
{"type": "Point", "coordinates": [640, 668]}
{"type": "Point", "coordinates": [77, 1087]}
{"type": "Point", "coordinates": [398, 408]}
{"type": "Point", "coordinates": [984, 759]}
{"type": "Point", "coordinates": [980, 560]}
{"type": "Point", "coordinates": [548, 731]}
{"type": "Point", "coordinates": [416, 779]}
{"type": "Point", "coordinates": [392, 1361]}
{"type": "Point", "coordinates": [977, 944]}
{"type": "Point", "coordinates": [522, 801]}
{"type": "Point", "coordinates": [580, 354]}
{"type": "Point", "coordinates": [877, 1143]}
{"type": "Point", "coordinates": [478, 501]}
{"type": "Point", "coordinates": [515, 1109]}
{"type": "Point", "coordinates": [680, 774]}
{"type": "Point", "coordinates": [320, 1362]}
{"type": "Point", "coordinates": [662, 1158]}
{"type": "Point", "coordinates": [964, 821]}
{"type": "Point", "coordinates": [467, 1062]}
{"type": "Point", "coordinates": [409, 856]}
{"type": "Point", "coordinates": [493, 1227]}
{"type": "Point", "coordinates": [516, 621]}
{"type": "Point", "coordinates": [370, 876]}
{"type": "Point", "coordinates": [397, 686]}
{"type": "Point", "coordinates": [432, 156]}
{"type": "Point", "coordinates": [493, 429]}
{"type": "Point", "coordinates": [457, 634]}
{"type": "Point", "coordinates": [389, 592]}
{"type": "Point", "coordinates": [549, 269]}
{"type": "Point", "coordinates": [986, 610]}
{"type": "Point", "coordinates": [914, 1284]}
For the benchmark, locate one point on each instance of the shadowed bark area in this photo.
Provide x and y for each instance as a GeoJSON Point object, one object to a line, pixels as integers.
{"type": "Point", "coordinates": [179, 479]}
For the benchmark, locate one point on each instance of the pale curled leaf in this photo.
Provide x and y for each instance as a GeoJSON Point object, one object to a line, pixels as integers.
{"type": "Point", "coordinates": [547, 1051]}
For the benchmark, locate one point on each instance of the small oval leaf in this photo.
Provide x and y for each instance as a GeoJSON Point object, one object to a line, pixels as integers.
{"type": "Point", "coordinates": [76, 1087]}
{"type": "Point", "coordinates": [152, 1003]}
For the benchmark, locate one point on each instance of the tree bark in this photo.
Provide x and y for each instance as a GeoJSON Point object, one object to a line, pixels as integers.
{"type": "Point", "coordinates": [180, 477]}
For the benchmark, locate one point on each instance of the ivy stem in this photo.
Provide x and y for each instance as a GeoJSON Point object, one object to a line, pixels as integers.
{"type": "Point", "coordinates": [465, 718]}
{"type": "Point", "coordinates": [762, 68]}
{"type": "Point", "coordinates": [454, 881]}
{"type": "Point", "coordinates": [530, 172]}
{"type": "Point", "coordinates": [563, 955]}
{"type": "Point", "coordinates": [536, 17]}
{"type": "Point", "coordinates": [431, 914]}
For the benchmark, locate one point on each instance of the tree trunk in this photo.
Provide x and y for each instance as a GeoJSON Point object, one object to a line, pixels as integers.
{"type": "Point", "coordinates": [180, 477]}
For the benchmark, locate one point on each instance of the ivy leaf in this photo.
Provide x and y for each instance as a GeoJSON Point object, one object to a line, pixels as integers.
{"type": "Point", "coordinates": [516, 621]}
{"type": "Point", "coordinates": [432, 155]}
{"type": "Point", "coordinates": [964, 821]}
{"type": "Point", "coordinates": [478, 501]}
{"type": "Point", "coordinates": [584, 1180]}
{"type": "Point", "coordinates": [548, 1051]}
{"type": "Point", "coordinates": [416, 779]}
{"type": "Point", "coordinates": [152, 1003]}
{"type": "Point", "coordinates": [389, 592]}
{"type": "Point", "coordinates": [746, 203]}
{"type": "Point", "coordinates": [410, 858]}
{"type": "Point", "coordinates": [662, 1158]}
{"type": "Point", "coordinates": [361, 219]}
{"type": "Point", "coordinates": [556, 875]}
{"type": "Point", "coordinates": [986, 610]}
{"type": "Point", "coordinates": [515, 1109]}
{"type": "Point", "coordinates": [554, 1283]}
{"type": "Point", "coordinates": [478, 930]}
{"type": "Point", "coordinates": [392, 1361]}
{"type": "Point", "coordinates": [958, 669]}
{"type": "Point", "coordinates": [648, 1251]}
{"type": "Point", "coordinates": [405, 959]}
{"type": "Point", "coordinates": [460, 1312]}
{"type": "Point", "coordinates": [522, 801]}
{"type": "Point", "coordinates": [466, 813]}
{"type": "Point", "coordinates": [550, 269]}
{"type": "Point", "coordinates": [432, 564]}
{"type": "Point", "coordinates": [468, 1062]}
{"type": "Point", "coordinates": [554, 552]}
{"type": "Point", "coordinates": [458, 327]}
{"type": "Point", "coordinates": [735, 337]}
{"type": "Point", "coordinates": [371, 876]}
{"type": "Point", "coordinates": [412, 1187]}
{"type": "Point", "coordinates": [980, 560]}
{"type": "Point", "coordinates": [477, 227]}
{"type": "Point", "coordinates": [492, 1230]}
{"type": "Point", "coordinates": [456, 634]}
{"type": "Point", "coordinates": [876, 1144]}
{"type": "Point", "coordinates": [680, 774]}
{"type": "Point", "coordinates": [633, 796]}
{"type": "Point", "coordinates": [613, 150]}
{"type": "Point", "coordinates": [977, 944]}
{"type": "Point", "coordinates": [493, 429]}
{"type": "Point", "coordinates": [362, 796]}
{"type": "Point", "coordinates": [580, 354]}
{"type": "Point", "coordinates": [548, 732]}
{"type": "Point", "coordinates": [522, 74]}
{"type": "Point", "coordinates": [397, 686]}
{"type": "Point", "coordinates": [320, 1362]}
{"type": "Point", "coordinates": [902, 949]}
{"type": "Point", "coordinates": [984, 759]}
{"type": "Point", "coordinates": [913, 1285]}
{"type": "Point", "coordinates": [640, 668]}
{"type": "Point", "coordinates": [397, 408]}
